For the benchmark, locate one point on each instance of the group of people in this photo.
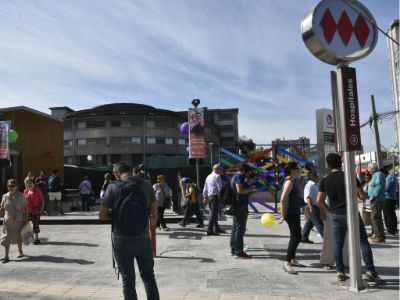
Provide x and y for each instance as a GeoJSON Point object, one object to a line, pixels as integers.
{"type": "Point", "coordinates": [326, 204]}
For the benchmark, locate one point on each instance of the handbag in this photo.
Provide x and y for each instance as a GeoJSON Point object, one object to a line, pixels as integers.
{"type": "Point", "coordinates": [27, 233]}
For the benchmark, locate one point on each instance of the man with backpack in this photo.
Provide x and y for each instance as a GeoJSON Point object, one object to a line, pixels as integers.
{"type": "Point", "coordinates": [129, 202]}
{"type": "Point", "coordinates": [242, 192]}
{"type": "Point", "coordinates": [55, 194]}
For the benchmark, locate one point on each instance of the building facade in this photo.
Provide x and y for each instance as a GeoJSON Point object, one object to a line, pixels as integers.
{"type": "Point", "coordinates": [134, 133]}
{"type": "Point", "coordinates": [39, 146]}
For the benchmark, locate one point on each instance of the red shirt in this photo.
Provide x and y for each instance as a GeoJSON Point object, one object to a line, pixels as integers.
{"type": "Point", "coordinates": [35, 201]}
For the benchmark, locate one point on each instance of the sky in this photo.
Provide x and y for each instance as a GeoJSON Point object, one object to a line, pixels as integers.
{"type": "Point", "coordinates": [228, 53]}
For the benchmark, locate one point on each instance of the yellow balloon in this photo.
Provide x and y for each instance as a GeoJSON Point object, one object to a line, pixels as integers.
{"type": "Point", "coordinates": [268, 219]}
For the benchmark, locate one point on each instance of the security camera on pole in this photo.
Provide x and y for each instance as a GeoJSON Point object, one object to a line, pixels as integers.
{"type": "Point", "coordinates": [339, 32]}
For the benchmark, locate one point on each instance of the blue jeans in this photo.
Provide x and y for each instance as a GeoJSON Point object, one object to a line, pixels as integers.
{"type": "Point", "coordinates": [238, 229]}
{"type": "Point", "coordinates": [125, 250]}
{"type": "Point", "coordinates": [313, 219]}
{"type": "Point", "coordinates": [190, 209]}
{"type": "Point", "coordinates": [339, 226]}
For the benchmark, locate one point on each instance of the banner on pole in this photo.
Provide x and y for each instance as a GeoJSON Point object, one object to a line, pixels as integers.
{"type": "Point", "coordinates": [197, 143]}
{"type": "Point", "coordinates": [4, 148]}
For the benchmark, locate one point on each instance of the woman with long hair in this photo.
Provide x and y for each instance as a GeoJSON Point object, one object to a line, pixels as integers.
{"type": "Point", "coordinates": [163, 197]}
{"type": "Point", "coordinates": [291, 202]}
{"type": "Point", "coordinates": [14, 207]}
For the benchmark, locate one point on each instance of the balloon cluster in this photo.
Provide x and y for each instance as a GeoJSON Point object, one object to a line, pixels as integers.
{"type": "Point", "coordinates": [12, 136]}
{"type": "Point", "coordinates": [268, 219]}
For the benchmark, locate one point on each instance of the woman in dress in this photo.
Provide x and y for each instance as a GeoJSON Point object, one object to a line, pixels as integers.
{"type": "Point", "coordinates": [14, 207]}
{"type": "Point", "coordinates": [163, 196]}
{"type": "Point", "coordinates": [291, 202]}
{"type": "Point", "coordinates": [34, 197]}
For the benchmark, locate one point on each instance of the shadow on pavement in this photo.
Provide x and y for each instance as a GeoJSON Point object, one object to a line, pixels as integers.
{"type": "Point", "coordinates": [70, 244]}
{"type": "Point", "coordinates": [56, 259]}
{"type": "Point", "coordinates": [200, 259]}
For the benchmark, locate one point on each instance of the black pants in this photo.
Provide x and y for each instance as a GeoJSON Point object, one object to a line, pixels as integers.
{"type": "Point", "coordinates": [293, 222]}
{"type": "Point", "coordinates": [85, 198]}
{"type": "Point", "coordinates": [389, 213]}
{"type": "Point", "coordinates": [160, 217]}
{"type": "Point", "coordinates": [214, 207]}
{"type": "Point", "coordinates": [190, 209]}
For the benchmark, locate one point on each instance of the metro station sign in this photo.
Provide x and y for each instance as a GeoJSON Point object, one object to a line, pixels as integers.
{"type": "Point", "coordinates": [339, 31]}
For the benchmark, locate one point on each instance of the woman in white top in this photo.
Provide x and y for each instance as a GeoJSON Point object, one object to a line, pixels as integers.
{"type": "Point", "coordinates": [163, 197]}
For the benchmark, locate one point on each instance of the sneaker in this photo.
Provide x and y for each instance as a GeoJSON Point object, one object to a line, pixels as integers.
{"type": "Point", "coordinates": [341, 276]}
{"type": "Point", "coordinates": [5, 260]}
{"type": "Point", "coordinates": [166, 229]}
{"type": "Point", "coordinates": [243, 255]}
{"type": "Point", "coordinates": [220, 231]}
{"type": "Point", "coordinates": [374, 277]}
{"type": "Point", "coordinates": [20, 255]}
{"type": "Point", "coordinates": [182, 224]}
{"type": "Point", "coordinates": [327, 267]}
{"type": "Point", "coordinates": [36, 242]}
{"type": "Point", "coordinates": [307, 241]}
{"type": "Point", "coordinates": [200, 226]}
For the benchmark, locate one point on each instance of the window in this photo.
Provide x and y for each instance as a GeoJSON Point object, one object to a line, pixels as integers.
{"type": "Point", "coordinates": [150, 124]}
{"type": "Point", "coordinates": [228, 140]}
{"type": "Point", "coordinates": [126, 124]}
{"type": "Point", "coordinates": [67, 143]}
{"type": "Point", "coordinates": [226, 127]}
{"type": "Point", "coordinates": [169, 141]}
{"type": "Point", "coordinates": [151, 140]}
{"type": "Point", "coordinates": [68, 160]}
{"type": "Point", "coordinates": [121, 140]}
{"type": "Point", "coordinates": [116, 158]}
{"type": "Point", "coordinates": [225, 116]}
{"type": "Point", "coordinates": [137, 123]}
{"type": "Point", "coordinates": [115, 123]}
{"type": "Point", "coordinates": [67, 124]}
{"type": "Point", "coordinates": [95, 124]}
{"type": "Point", "coordinates": [160, 140]}
{"type": "Point", "coordinates": [81, 125]}
{"type": "Point", "coordinates": [80, 142]}
{"type": "Point", "coordinates": [136, 140]}
{"type": "Point", "coordinates": [165, 124]}
{"type": "Point", "coordinates": [181, 141]}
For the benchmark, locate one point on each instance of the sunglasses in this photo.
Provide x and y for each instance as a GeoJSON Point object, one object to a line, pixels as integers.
{"type": "Point", "coordinates": [11, 186]}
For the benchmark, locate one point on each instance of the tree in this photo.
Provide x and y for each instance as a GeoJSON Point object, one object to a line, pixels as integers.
{"type": "Point", "coordinates": [246, 145]}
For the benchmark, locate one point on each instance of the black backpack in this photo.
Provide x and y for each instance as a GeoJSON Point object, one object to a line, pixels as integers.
{"type": "Point", "coordinates": [131, 211]}
{"type": "Point", "coordinates": [227, 194]}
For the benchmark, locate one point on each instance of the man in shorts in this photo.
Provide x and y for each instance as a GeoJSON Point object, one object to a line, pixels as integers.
{"type": "Point", "coordinates": [55, 192]}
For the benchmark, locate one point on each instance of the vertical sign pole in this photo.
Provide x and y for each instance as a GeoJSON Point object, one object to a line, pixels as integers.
{"type": "Point", "coordinates": [198, 172]}
{"type": "Point", "coordinates": [348, 118]}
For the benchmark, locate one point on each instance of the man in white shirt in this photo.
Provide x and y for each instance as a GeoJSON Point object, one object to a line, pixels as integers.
{"type": "Point", "coordinates": [312, 208]}
{"type": "Point", "coordinates": [211, 190]}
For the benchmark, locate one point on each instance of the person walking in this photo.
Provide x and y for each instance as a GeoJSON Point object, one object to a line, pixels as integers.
{"type": "Point", "coordinates": [85, 191]}
{"type": "Point", "coordinates": [42, 182]}
{"type": "Point", "coordinates": [55, 194]}
{"type": "Point", "coordinates": [192, 205]}
{"type": "Point", "coordinates": [14, 208]}
{"type": "Point", "coordinates": [389, 209]}
{"type": "Point", "coordinates": [127, 247]}
{"type": "Point", "coordinates": [376, 194]}
{"type": "Point", "coordinates": [333, 186]}
{"type": "Point", "coordinates": [291, 202]}
{"type": "Point", "coordinates": [242, 192]}
{"type": "Point", "coordinates": [34, 197]}
{"type": "Point", "coordinates": [163, 197]}
{"type": "Point", "coordinates": [312, 208]}
{"type": "Point", "coordinates": [211, 190]}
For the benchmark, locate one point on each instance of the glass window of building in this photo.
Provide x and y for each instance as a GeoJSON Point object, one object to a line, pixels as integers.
{"type": "Point", "coordinates": [95, 124]}
{"type": "Point", "coordinates": [137, 122]}
{"type": "Point", "coordinates": [121, 140]}
{"type": "Point", "coordinates": [226, 127]}
{"type": "Point", "coordinates": [67, 143]}
{"type": "Point", "coordinates": [126, 124]}
{"type": "Point", "coordinates": [116, 158]}
{"type": "Point", "coordinates": [165, 124]}
{"type": "Point", "coordinates": [67, 124]}
{"type": "Point", "coordinates": [68, 160]}
{"type": "Point", "coordinates": [223, 116]}
{"type": "Point", "coordinates": [97, 141]}
{"type": "Point", "coordinates": [150, 124]}
{"type": "Point", "coordinates": [160, 140]}
{"type": "Point", "coordinates": [169, 141]}
{"type": "Point", "coordinates": [80, 142]}
{"type": "Point", "coordinates": [136, 140]}
{"type": "Point", "coordinates": [151, 140]}
{"type": "Point", "coordinates": [81, 125]}
{"type": "Point", "coordinates": [181, 141]}
{"type": "Point", "coordinates": [115, 123]}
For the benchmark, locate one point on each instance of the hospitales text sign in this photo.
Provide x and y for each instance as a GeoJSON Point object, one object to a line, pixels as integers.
{"type": "Point", "coordinates": [352, 136]}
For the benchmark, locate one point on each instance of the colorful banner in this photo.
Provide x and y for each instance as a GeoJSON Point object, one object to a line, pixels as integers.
{"type": "Point", "coordinates": [4, 131]}
{"type": "Point", "coordinates": [197, 142]}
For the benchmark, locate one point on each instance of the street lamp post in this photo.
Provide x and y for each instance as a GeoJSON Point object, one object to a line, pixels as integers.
{"type": "Point", "coordinates": [211, 153]}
